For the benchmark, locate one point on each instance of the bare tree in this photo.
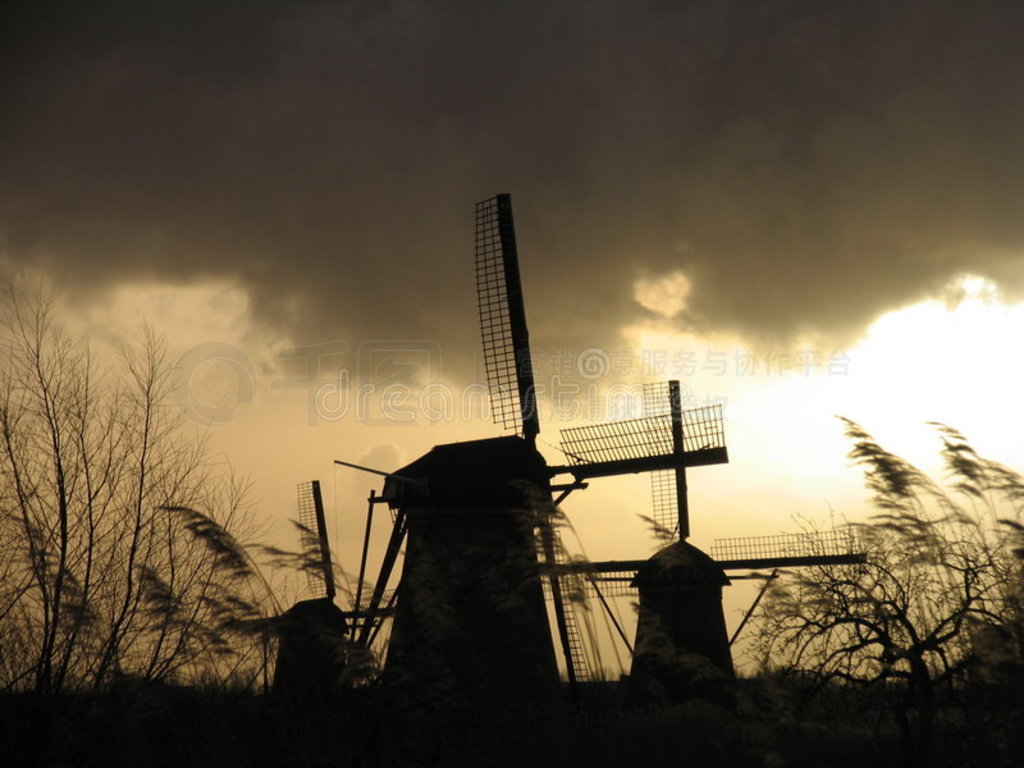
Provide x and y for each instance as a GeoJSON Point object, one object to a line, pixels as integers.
{"type": "Point", "coordinates": [99, 573]}
{"type": "Point", "coordinates": [940, 569]}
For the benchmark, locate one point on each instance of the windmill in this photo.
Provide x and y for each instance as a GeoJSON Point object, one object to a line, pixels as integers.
{"type": "Point", "coordinates": [470, 622]}
{"type": "Point", "coordinates": [312, 659]}
{"type": "Point", "coordinates": [680, 587]}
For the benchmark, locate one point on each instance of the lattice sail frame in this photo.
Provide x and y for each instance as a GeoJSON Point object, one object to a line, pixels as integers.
{"type": "Point", "coordinates": [646, 437]}
{"type": "Point", "coordinates": [312, 539]}
{"type": "Point", "coordinates": [575, 586]}
{"type": "Point", "coordinates": [837, 541]}
{"type": "Point", "coordinates": [657, 399]}
{"type": "Point", "coordinates": [503, 331]}
{"type": "Point", "coordinates": [664, 499]}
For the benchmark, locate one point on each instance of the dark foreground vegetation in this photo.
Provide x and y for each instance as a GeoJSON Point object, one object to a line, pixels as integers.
{"type": "Point", "coordinates": [769, 723]}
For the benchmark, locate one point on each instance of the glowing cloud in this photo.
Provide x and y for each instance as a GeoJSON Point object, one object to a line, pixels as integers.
{"type": "Point", "coordinates": [666, 296]}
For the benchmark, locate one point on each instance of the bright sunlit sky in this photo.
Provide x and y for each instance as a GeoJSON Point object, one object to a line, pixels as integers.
{"type": "Point", "coordinates": [799, 209]}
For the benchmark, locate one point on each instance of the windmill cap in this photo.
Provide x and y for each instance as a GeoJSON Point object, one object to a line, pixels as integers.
{"type": "Point", "coordinates": [490, 470]}
{"type": "Point", "coordinates": [319, 611]}
{"type": "Point", "coordinates": [680, 564]}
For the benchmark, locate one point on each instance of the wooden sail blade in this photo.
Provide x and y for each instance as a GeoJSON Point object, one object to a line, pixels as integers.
{"type": "Point", "coordinates": [315, 548]}
{"type": "Point", "coordinates": [503, 331]}
{"type": "Point", "coordinates": [646, 444]}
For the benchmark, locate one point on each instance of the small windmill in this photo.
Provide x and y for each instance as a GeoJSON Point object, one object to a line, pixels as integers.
{"type": "Point", "coordinates": [680, 587]}
{"type": "Point", "coordinates": [311, 662]}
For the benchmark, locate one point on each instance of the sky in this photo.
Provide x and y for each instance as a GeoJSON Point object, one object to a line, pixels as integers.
{"type": "Point", "coordinates": [800, 209]}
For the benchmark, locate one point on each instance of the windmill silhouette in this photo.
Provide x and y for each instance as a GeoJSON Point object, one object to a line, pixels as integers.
{"type": "Point", "coordinates": [311, 659]}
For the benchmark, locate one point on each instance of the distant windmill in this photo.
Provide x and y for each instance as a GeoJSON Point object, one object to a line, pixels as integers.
{"type": "Point", "coordinates": [680, 587]}
{"type": "Point", "coordinates": [311, 662]}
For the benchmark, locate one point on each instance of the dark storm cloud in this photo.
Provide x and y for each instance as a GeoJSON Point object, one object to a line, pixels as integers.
{"type": "Point", "coordinates": [808, 164]}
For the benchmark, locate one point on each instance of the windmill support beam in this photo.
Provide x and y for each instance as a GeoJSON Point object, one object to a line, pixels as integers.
{"type": "Point", "coordinates": [753, 606]}
{"type": "Point", "coordinates": [366, 548]}
{"type": "Point", "coordinates": [380, 472]}
{"type": "Point", "coordinates": [647, 464]}
{"type": "Point", "coordinates": [390, 556]}
{"type": "Point", "coordinates": [565, 490]}
{"type": "Point", "coordinates": [682, 503]}
{"type": "Point", "coordinates": [387, 610]}
{"type": "Point", "coordinates": [569, 486]}
{"type": "Point", "coordinates": [611, 615]}
{"type": "Point", "coordinates": [624, 566]}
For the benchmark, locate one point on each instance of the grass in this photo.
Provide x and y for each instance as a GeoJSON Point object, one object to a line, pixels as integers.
{"type": "Point", "coordinates": [138, 725]}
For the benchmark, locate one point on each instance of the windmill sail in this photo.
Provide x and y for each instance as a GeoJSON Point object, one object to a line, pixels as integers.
{"type": "Point", "coordinates": [837, 546]}
{"type": "Point", "coordinates": [834, 546]}
{"type": "Point", "coordinates": [646, 444]}
{"type": "Point", "coordinates": [671, 508]}
{"type": "Point", "coordinates": [315, 549]}
{"type": "Point", "coordinates": [665, 501]}
{"type": "Point", "coordinates": [506, 342]}
{"type": "Point", "coordinates": [560, 581]}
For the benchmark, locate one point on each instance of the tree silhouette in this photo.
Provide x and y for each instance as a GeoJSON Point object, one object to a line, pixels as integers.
{"type": "Point", "coordinates": [940, 573]}
{"type": "Point", "coordinates": [102, 572]}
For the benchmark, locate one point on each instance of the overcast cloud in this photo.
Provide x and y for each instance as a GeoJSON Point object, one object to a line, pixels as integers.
{"type": "Point", "coordinates": [806, 165]}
